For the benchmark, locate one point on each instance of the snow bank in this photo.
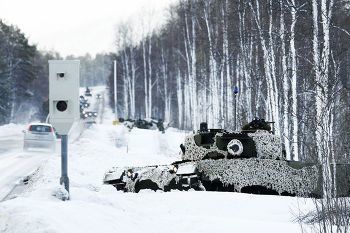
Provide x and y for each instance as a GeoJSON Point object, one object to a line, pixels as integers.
{"type": "Point", "coordinates": [110, 211]}
{"type": "Point", "coordinates": [11, 130]}
{"type": "Point", "coordinates": [149, 147]}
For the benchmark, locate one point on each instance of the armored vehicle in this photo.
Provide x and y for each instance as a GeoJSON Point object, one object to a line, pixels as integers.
{"type": "Point", "coordinates": [143, 124]}
{"type": "Point", "coordinates": [249, 161]}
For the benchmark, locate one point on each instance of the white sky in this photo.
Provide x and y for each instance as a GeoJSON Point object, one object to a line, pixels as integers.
{"type": "Point", "coordinates": [74, 26]}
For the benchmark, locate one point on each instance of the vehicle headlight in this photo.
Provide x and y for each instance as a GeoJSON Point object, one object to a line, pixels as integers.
{"type": "Point", "coordinates": [95, 114]}
{"type": "Point", "coordinates": [86, 115]}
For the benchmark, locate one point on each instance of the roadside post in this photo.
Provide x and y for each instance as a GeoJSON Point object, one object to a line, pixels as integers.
{"type": "Point", "coordinates": [235, 91]}
{"type": "Point", "coordinates": [115, 122]}
{"type": "Point", "coordinates": [64, 105]}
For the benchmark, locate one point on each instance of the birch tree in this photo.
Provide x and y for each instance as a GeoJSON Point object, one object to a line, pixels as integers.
{"type": "Point", "coordinates": [226, 63]}
{"type": "Point", "coordinates": [167, 110]}
{"type": "Point", "coordinates": [321, 66]}
{"type": "Point", "coordinates": [214, 97]}
{"type": "Point", "coordinates": [295, 150]}
{"type": "Point", "coordinates": [271, 104]}
{"type": "Point", "coordinates": [190, 50]}
{"type": "Point", "coordinates": [286, 85]}
{"type": "Point", "coordinates": [150, 84]}
{"type": "Point", "coordinates": [179, 94]}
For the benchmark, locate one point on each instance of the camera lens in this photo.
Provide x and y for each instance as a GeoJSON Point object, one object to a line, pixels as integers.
{"type": "Point", "coordinates": [61, 106]}
{"type": "Point", "coordinates": [61, 75]}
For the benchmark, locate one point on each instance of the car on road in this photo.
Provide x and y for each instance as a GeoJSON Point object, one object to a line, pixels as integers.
{"type": "Point", "coordinates": [39, 135]}
{"type": "Point", "coordinates": [86, 115]}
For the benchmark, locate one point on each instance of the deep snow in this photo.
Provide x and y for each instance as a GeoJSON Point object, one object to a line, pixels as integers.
{"type": "Point", "coordinates": [95, 207]}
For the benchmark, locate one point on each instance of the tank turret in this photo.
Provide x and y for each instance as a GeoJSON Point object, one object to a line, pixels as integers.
{"type": "Point", "coordinates": [256, 140]}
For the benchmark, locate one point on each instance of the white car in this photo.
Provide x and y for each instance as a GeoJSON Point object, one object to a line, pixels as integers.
{"type": "Point", "coordinates": [39, 135]}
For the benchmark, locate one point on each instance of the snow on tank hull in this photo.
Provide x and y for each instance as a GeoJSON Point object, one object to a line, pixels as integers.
{"type": "Point", "coordinates": [239, 175]}
{"type": "Point", "coordinates": [215, 160]}
{"type": "Point", "coordinates": [160, 177]}
{"type": "Point", "coordinates": [259, 176]}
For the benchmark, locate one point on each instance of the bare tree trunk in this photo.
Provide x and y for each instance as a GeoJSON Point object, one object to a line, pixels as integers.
{"type": "Point", "coordinates": [249, 78]}
{"type": "Point", "coordinates": [190, 50]}
{"type": "Point", "coordinates": [215, 104]}
{"type": "Point", "coordinates": [128, 83]}
{"type": "Point", "coordinates": [194, 75]}
{"type": "Point", "coordinates": [267, 67]}
{"type": "Point", "coordinates": [223, 63]}
{"type": "Point", "coordinates": [187, 95]}
{"type": "Point", "coordinates": [286, 133]}
{"type": "Point", "coordinates": [245, 62]}
{"type": "Point", "coordinates": [295, 148]}
{"type": "Point", "coordinates": [125, 86]}
{"type": "Point", "coordinates": [180, 107]}
{"type": "Point", "coordinates": [145, 77]}
{"type": "Point", "coordinates": [165, 86]}
{"type": "Point", "coordinates": [13, 91]}
{"type": "Point", "coordinates": [187, 102]}
{"type": "Point", "coordinates": [321, 66]}
{"type": "Point", "coordinates": [149, 78]}
{"type": "Point", "coordinates": [274, 90]}
{"type": "Point", "coordinates": [229, 100]}
{"type": "Point", "coordinates": [132, 84]}
{"type": "Point", "coordinates": [259, 86]}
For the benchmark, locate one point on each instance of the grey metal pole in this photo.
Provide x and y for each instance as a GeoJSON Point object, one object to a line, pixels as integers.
{"type": "Point", "coordinates": [235, 91]}
{"type": "Point", "coordinates": [64, 162]}
{"type": "Point", "coordinates": [115, 90]}
{"type": "Point", "coordinates": [235, 116]}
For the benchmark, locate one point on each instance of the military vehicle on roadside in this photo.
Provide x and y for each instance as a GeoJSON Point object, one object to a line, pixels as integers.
{"type": "Point", "coordinates": [143, 124]}
{"type": "Point", "coordinates": [248, 161]}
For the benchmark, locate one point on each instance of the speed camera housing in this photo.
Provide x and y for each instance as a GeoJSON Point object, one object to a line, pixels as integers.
{"type": "Point", "coordinates": [64, 94]}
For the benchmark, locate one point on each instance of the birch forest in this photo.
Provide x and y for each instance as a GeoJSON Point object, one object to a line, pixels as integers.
{"type": "Point", "coordinates": [288, 60]}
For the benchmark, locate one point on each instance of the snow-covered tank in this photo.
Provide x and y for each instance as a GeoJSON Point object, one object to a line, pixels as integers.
{"type": "Point", "coordinates": [250, 161]}
{"type": "Point", "coordinates": [143, 124]}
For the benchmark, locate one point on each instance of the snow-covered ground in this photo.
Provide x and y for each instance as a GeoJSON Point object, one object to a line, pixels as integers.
{"type": "Point", "coordinates": [11, 136]}
{"type": "Point", "coordinates": [95, 207]}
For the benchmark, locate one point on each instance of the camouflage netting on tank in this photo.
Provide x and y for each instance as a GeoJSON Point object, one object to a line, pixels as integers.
{"type": "Point", "coordinates": [194, 152]}
{"type": "Point", "coordinates": [272, 174]}
{"type": "Point", "coordinates": [268, 146]}
{"type": "Point", "coordinates": [159, 175]}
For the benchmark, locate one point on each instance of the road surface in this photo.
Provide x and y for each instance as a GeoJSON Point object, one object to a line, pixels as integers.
{"type": "Point", "coordinates": [15, 164]}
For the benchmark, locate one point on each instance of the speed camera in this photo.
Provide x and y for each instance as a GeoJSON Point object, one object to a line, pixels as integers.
{"type": "Point", "coordinates": [64, 94]}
